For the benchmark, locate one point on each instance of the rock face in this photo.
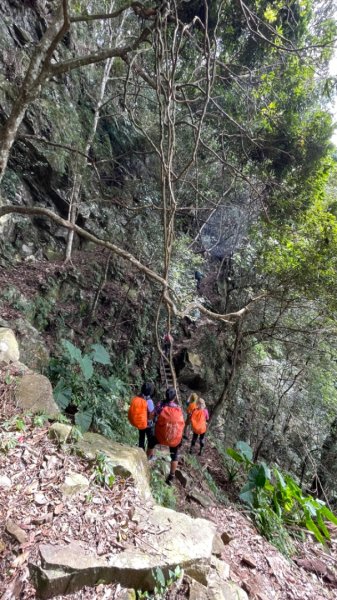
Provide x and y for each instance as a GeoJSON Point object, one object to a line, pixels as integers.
{"type": "Point", "coordinates": [127, 462]}
{"type": "Point", "coordinates": [33, 351]}
{"type": "Point", "coordinates": [9, 349]}
{"type": "Point", "coordinates": [35, 394]}
{"type": "Point", "coordinates": [191, 372]}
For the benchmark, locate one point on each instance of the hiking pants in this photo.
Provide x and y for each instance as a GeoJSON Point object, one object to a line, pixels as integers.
{"type": "Point", "coordinates": [142, 434]}
{"type": "Point", "coordinates": [173, 450]}
{"type": "Point", "coordinates": [201, 440]}
{"type": "Point", "coordinates": [167, 349]}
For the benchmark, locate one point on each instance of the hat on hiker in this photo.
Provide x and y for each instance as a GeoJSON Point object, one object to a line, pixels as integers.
{"type": "Point", "coordinates": [170, 394]}
{"type": "Point", "coordinates": [147, 389]}
{"type": "Point", "coordinates": [201, 403]}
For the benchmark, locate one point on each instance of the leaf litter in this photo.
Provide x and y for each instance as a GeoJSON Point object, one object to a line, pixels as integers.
{"type": "Point", "coordinates": [32, 471]}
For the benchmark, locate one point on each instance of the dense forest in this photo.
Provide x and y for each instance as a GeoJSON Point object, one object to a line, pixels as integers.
{"type": "Point", "coordinates": [169, 167]}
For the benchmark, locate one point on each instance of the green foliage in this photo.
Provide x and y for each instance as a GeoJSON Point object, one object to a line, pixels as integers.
{"type": "Point", "coordinates": [303, 253]}
{"type": "Point", "coordinates": [192, 461]}
{"type": "Point", "coordinates": [277, 501]}
{"type": "Point", "coordinates": [66, 115]}
{"type": "Point", "coordinates": [219, 495]}
{"type": "Point", "coordinates": [14, 297]}
{"type": "Point", "coordinates": [41, 308]}
{"type": "Point", "coordinates": [184, 263]}
{"type": "Point", "coordinates": [162, 583]}
{"type": "Point", "coordinates": [36, 310]}
{"type": "Point", "coordinates": [163, 494]}
{"type": "Point", "coordinates": [104, 471]}
{"type": "Point", "coordinates": [84, 383]}
{"type": "Point", "coordinates": [15, 423]}
{"type": "Point", "coordinates": [39, 420]}
{"type": "Point", "coordinates": [60, 418]}
{"type": "Point", "coordinates": [76, 434]}
{"type": "Point", "coordinates": [10, 185]}
{"type": "Point", "coordinates": [10, 431]}
{"type": "Point", "coordinates": [8, 441]}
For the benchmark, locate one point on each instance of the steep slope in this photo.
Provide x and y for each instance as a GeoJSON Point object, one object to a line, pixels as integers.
{"type": "Point", "coordinates": [38, 513]}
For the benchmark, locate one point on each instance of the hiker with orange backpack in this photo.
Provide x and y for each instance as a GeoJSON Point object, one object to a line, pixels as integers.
{"type": "Point", "coordinates": [168, 430]}
{"type": "Point", "coordinates": [191, 405]}
{"type": "Point", "coordinates": [167, 344]}
{"type": "Point", "coordinates": [141, 412]}
{"type": "Point", "coordinates": [199, 418]}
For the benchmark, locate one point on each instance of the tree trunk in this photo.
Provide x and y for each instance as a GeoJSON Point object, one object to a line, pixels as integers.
{"type": "Point", "coordinates": [219, 405]}
{"type": "Point", "coordinates": [100, 288]}
{"type": "Point", "coordinates": [37, 73]}
{"type": "Point", "coordinates": [325, 477]}
{"type": "Point", "coordinates": [82, 160]}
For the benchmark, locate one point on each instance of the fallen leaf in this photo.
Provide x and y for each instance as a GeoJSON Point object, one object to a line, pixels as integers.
{"type": "Point", "coordinates": [40, 499]}
{"type": "Point", "coordinates": [58, 509]}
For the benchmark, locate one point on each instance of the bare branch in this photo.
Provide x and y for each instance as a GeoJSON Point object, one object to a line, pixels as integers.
{"type": "Point", "coordinates": [101, 16]}
{"type": "Point", "coordinates": [44, 212]}
{"type": "Point", "coordinates": [75, 63]}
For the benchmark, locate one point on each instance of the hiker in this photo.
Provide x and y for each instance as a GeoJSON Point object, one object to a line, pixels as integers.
{"type": "Point", "coordinates": [141, 413]}
{"type": "Point", "coordinates": [167, 344]}
{"type": "Point", "coordinates": [199, 418]}
{"type": "Point", "coordinates": [190, 406]}
{"type": "Point", "coordinates": [169, 429]}
{"type": "Point", "coordinates": [198, 277]}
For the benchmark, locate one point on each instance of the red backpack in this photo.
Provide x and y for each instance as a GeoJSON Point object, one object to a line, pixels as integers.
{"type": "Point", "coordinates": [170, 426]}
{"type": "Point", "coordinates": [137, 414]}
{"type": "Point", "coordinates": [198, 421]}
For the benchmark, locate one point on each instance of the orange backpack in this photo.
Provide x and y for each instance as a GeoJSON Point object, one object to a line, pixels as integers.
{"type": "Point", "coordinates": [137, 414]}
{"type": "Point", "coordinates": [198, 421]}
{"type": "Point", "coordinates": [191, 407]}
{"type": "Point", "coordinates": [170, 426]}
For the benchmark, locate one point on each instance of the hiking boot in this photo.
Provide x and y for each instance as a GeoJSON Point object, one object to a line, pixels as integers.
{"type": "Point", "coordinates": [200, 452]}
{"type": "Point", "coordinates": [169, 479]}
{"type": "Point", "coordinates": [191, 450]}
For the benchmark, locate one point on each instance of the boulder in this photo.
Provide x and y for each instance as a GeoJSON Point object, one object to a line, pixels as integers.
{"type": "Point", "coordinates": [33, 350]}
{"type": "Point", "coordinates": [9, 349]}
{"type": "Point", "coordinates": [126, 594]}
{"type": "Point", "coordinates": [74, 483]}
{"type": "Point", "coordinates": [199, 572]}
{"type": "Point", "coordinates": [218, 545]}
{"type": "Point", "coordinates": [175, 539]}
{"type": "Point", "coordinates": [126, 461]}
{"type": "Point", "coordinates": [34, 394]}
{"type": "Point", "coordinates": [200, 498]}
{"type": "Point", "coordinates": [60, 432]}
{"type": "Point", "coordinates": [219, 569]}
{"type": "Point", "coordinates": [197, 591]}
{"type": "Point", "coordinates": [220, 591]}
{"type": "Point", "coordinates": [227, 591]}
{"type": "Point", "coordinates": [16, 531]}
{"type": "Point", "coordinates": [226, 538]}
{"type": "Point", "coordinates": [183, 478]}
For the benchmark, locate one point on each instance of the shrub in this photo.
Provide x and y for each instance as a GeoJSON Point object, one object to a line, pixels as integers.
{"type": "Point", "coordinates": [86, 387]}
{"type": "Point", "coordinates": [276, 501]}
